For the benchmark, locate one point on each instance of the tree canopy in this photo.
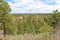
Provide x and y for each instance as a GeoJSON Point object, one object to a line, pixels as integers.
{"type": "Point", "coordinates": [6, 18]}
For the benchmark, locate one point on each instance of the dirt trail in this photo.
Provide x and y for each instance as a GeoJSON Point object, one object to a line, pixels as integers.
{"type": "Point", "coordinates": [56, 34]}
{"type": "Point", "coordinates": [1, 34]}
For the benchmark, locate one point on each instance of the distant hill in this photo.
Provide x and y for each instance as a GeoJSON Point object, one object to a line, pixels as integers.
{"type": "Point", "coordinates": [19, 14]}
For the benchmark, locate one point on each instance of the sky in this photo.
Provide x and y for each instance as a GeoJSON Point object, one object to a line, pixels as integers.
{"type": "Point", "coordinates": [33, 6]}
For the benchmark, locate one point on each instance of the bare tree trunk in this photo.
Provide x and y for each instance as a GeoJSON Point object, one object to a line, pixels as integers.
{"type": "Point", "coordinates": [4, 29]}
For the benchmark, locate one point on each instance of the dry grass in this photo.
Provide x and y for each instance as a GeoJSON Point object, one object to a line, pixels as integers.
{"type": "Point", "coordinates": [26, 37]}
{"type": "Point", "coordinates": [41, 36]}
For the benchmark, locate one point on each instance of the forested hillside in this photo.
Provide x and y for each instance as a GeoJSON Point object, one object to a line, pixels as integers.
{"type": "Point", "coordinates": [27, 26]}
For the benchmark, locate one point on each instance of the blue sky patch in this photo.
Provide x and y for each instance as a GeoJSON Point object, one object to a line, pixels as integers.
{"type": "Point", "coordinates": [31, 6]}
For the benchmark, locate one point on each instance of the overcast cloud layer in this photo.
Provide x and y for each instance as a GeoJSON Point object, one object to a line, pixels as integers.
{"type": "Point", "coordinates": [34, 6]}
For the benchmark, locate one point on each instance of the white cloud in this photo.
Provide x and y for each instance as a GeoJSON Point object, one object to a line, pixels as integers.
{"type": "Point", "coordinates": [57, 1]}
{"type": "Point", "coordinates": [25, 6]}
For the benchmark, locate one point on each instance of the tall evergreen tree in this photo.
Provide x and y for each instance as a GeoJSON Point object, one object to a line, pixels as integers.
{"type": "Point", "coordinates": [6, 18]}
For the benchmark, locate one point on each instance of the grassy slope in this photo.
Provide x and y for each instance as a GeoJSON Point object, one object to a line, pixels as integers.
{"type": "Point", "coordinates": [23, 37]}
